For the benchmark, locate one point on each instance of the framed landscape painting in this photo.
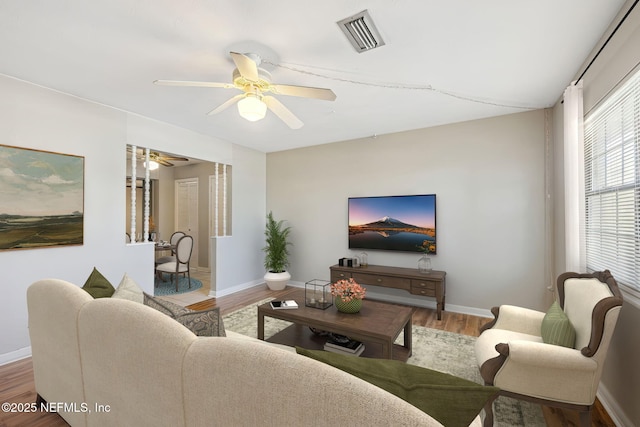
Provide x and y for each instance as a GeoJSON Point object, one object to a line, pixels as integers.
{"type": "Point", "coordinates": [41, 199]}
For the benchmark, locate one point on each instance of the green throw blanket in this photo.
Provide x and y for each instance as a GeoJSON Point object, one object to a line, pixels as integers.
{"type": "Point", "coordinates": [451, 400]}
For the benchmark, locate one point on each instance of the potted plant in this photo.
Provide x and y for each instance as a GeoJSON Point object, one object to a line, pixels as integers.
{"type": "Point", "coordinates": [276, 258]}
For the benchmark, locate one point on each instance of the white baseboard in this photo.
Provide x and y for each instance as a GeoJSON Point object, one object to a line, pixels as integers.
{"type": "Point", "coordinates": [14, 356]}
{"type": "Point", "coordinates": [234, 289]}
{"type": "Point", "coordinates": [613, 408]}
{"type": "Point", "coordinates": [428, 303]}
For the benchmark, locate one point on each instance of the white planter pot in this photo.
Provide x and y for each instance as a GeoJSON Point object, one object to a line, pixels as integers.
{"type": "Point", "coordinates": [277, 281]}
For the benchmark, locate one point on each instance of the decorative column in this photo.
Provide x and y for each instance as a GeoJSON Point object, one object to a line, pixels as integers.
{"type": "Point", "coordinates": [134, 150]}
{"type": "Point", "coordinates": [216, 203]}
{"type": "Point", "coordinates": [224, 200]}
{"type": "Point", "coordinates": [147, 194]}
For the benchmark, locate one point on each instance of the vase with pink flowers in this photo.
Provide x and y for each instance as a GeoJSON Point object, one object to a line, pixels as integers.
{"type": "Point", "coordinates": [348, 295]}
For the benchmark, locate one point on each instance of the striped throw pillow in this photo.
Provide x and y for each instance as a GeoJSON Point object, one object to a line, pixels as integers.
{"type": "Point", "coordinates": [556, 327]}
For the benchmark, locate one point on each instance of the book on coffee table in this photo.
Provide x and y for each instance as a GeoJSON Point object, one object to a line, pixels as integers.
{"type": "Point", "coordinates": [284, 305]}
{"type": "Point", "coordinates": [344, 344]}
{"type": "Point", "coordinates": [340, 350]}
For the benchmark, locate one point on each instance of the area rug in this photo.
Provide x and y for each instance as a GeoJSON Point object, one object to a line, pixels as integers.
{"type": "Point", "coordinates": [439, 350]}
{"type": "Point", "coordinates": [166, 286]}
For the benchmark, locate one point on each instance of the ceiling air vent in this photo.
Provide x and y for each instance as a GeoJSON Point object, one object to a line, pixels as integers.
{"type": "Point", "coordinates": [361, 32]}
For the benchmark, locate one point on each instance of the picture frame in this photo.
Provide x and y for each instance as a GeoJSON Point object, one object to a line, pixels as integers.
{"type": "Point", "coordinates": [41, 198]}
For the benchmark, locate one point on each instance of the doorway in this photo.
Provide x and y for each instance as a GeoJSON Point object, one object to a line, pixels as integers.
{"type": "Point", "coordinates": [186, 212]}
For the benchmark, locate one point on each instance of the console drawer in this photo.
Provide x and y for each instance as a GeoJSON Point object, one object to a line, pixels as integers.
{"type": "Point", "coordinates": [378, 280]}
{"type": "Point", "coordinates": [423, 292]}
{"type": "Point", "coordinates": [423, 287]}
{"type": "Point", "coordinates": [423, 284]}
{"type": "Point", "coordinates": [339, 275]}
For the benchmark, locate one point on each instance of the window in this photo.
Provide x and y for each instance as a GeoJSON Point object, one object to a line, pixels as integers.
{"type": "Point", "coordinates": [612, 185]}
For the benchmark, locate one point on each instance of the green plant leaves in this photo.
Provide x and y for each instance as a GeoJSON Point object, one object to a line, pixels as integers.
{"type": "Point", "coordinates": [277, 252]}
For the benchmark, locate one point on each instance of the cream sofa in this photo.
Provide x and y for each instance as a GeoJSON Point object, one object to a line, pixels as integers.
{"type": "Point", "coordinates": [113, 362]}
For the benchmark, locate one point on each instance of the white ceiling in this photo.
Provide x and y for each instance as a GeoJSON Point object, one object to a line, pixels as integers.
{"type": "Point", "coordinates": [480, 59]}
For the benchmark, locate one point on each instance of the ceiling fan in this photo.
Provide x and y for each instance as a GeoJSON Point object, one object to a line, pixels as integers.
{"type": "Point", "coordinates": [254, 82]}
{"type": "Point", "coordinates": [157, 158]}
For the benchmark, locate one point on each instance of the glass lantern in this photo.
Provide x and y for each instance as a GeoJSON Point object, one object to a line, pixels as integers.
{"type": "Point", "coordinates": [317, 294]}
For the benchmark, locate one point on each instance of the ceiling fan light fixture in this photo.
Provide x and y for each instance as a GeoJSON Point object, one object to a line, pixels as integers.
{"type": "Point", "coordinates": [252, 108]}
{"type": "Point", "coordinates": [153, 165]}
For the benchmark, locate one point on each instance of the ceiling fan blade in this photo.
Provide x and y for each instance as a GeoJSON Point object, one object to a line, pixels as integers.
{"type": "Point", "coordinates": [304, 91]}
{"type": "Point", "coordinates": [178, 159]}
{"type": "Point", "coordinates": [225, 105]}
{"type": "Point", "coordinates": [139, 151]}
{"type": "Point", "coordinates": [247, 66]}
{"type": "Point", "coordinates": [162, 161]}
{"type": "Point", "coordinates": [189, 83]}
{"type": "Point", "coordinates": [282, 112]}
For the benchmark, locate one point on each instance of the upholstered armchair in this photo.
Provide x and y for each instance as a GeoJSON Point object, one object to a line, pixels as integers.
{"type": "Point", "coordinates": [554, 358]}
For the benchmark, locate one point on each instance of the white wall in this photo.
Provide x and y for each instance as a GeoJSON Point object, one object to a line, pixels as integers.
{"type": "Point", "coordinates": [488, 176]}
{"type": "Point", "coordinates": [38, 118]}
{"type": "Point", "coordinates": [239, 264]}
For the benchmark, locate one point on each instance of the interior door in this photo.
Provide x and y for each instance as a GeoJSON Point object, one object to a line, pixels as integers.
{"type": "Point", "coordinates": [186, 216]}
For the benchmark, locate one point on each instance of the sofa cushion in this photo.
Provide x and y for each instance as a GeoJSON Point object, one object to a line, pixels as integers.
{"type": "Point", "coordinates": [98, 286]}
{"type": "Point", "coordinates": [203, 323]}
{"type": "Point", "coordinates": [451, 400]}
{"type": "Point", "coordinates": [164, 306]}
{"type": "Point", "coordinates": [129, 290]}
{"type": "Point", "coordinates": [556, 328]}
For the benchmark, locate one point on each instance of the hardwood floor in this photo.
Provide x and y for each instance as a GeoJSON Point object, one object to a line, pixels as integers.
{"type": "Point", "coordinates": [17, 386]}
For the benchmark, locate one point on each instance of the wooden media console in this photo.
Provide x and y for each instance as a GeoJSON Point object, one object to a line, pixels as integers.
{"type": "Point", "coordinates": [430, 284]}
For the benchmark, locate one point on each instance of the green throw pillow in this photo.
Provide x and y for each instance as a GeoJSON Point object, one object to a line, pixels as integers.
{"type": "Point", "coordinates": [451, 400]}
{"type": "Point", "coordinates": [98, 286]}
{"type": "Point", "coordinates": [556, 328]}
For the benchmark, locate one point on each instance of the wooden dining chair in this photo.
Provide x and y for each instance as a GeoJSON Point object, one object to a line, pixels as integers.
{"type": "Point", "coordinates": [183, 251]}
{"type": "Point", "coordinates": [173, 241]}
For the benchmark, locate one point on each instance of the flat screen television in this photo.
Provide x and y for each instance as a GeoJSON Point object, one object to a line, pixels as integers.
{"type": "Point", "coordinates": [394, 223]}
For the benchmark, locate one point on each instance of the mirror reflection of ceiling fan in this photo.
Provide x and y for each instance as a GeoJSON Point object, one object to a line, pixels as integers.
{"type": "Point", "coordinates": [255, 82]}
{"type": "Point", "coordinates": [156, 158]}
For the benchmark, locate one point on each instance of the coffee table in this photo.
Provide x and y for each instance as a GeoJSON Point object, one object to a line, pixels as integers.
{"type": "Point", "coordinates": [378, 324]}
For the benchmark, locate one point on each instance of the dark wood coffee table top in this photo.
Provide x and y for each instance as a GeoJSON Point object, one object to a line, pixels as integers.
{"type": "Point", "coordinates": [377, 324]}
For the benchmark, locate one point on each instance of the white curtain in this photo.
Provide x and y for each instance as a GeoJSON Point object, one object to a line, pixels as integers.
{"type": "Point", "coordinates": [574, 203]}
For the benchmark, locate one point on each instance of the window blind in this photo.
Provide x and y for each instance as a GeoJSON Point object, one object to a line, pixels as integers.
{"type": "Point", "coordinates": [612, 185]}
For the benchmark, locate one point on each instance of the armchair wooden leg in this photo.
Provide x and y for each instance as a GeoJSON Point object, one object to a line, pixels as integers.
{"type": "Point", "coordinates": [488, 414]}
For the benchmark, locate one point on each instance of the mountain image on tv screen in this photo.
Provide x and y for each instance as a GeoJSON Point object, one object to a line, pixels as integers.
{"type": "Point", "coordinates": [400, 223]}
